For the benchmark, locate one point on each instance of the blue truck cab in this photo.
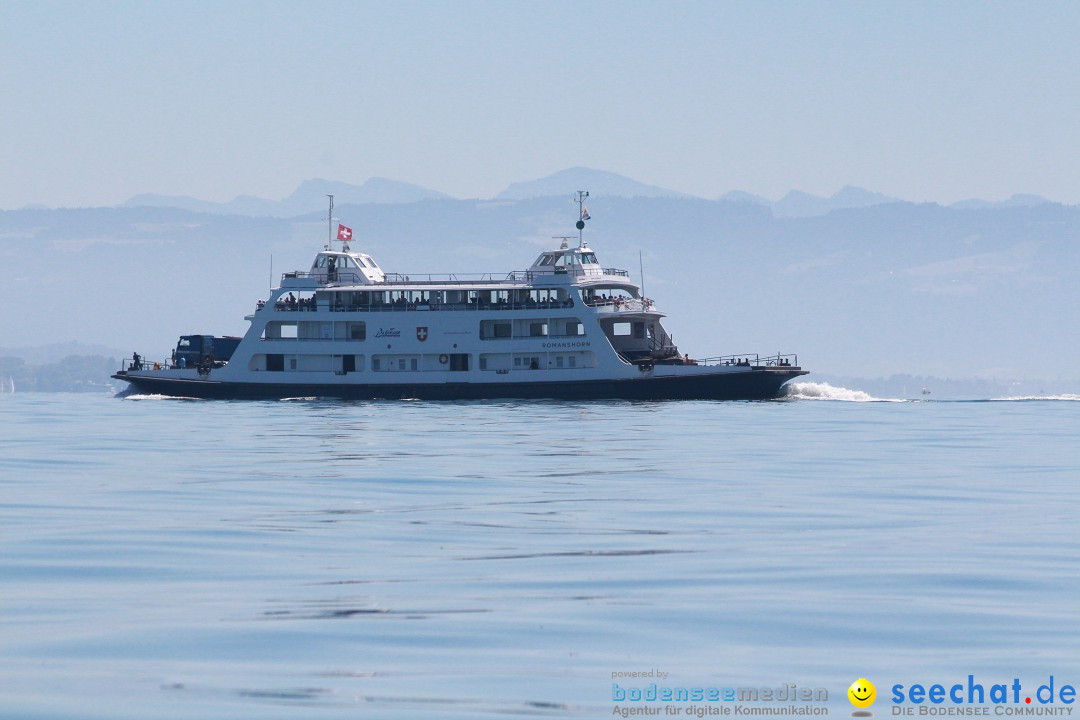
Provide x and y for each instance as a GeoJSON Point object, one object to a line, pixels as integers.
{"type": "Point", "coordinates": [203, 350]}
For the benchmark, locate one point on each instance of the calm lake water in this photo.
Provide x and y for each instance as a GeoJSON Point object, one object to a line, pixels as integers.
{"type": "Point", "coordinates": [198, 559]}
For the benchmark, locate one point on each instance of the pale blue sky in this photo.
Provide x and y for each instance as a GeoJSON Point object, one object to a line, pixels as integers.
{"type": "Point", "coordinates": [936, 101]}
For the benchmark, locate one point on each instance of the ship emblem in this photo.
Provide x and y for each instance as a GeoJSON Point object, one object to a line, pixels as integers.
{"type": "Point", "coordinates": [421, 334]}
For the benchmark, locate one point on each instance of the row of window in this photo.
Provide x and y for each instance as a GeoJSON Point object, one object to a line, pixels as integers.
{"type": "Point", "coordinates": [314, 330]}
{"type": "Point", "coordinates": [388, 362]}
{"type": "Point", "coordinates": [369, 300]}
{"type": "Point", "coordinates": [357, 329]}
{"type": "Point", "coordinates": [345, 261]}
{"type": "Point", "coordinates": [567, 259]}
{"type": "Point", "coordinates": [353, 300]}
{"type": "Point", "coordinates": [531, 328]}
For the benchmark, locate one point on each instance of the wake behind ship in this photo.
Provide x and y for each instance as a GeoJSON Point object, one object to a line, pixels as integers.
{"type": "Point", "coordinates": [566, 327]}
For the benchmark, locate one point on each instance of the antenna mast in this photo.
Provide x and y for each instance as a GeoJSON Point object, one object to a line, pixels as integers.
{"type": "Point", "coordinates": [330, 223]}
{"type": "Point", "coordinates": [641, 271]}
{"type": "Point", "coordinates": [583, 214]}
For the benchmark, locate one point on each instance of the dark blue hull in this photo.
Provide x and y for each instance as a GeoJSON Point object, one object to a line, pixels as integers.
{"type": "Point", "coordinates": [751, 384]}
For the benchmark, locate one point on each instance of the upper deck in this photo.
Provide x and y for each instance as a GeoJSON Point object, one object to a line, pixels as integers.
{"type": "Point", "coordinates": [345, 269]}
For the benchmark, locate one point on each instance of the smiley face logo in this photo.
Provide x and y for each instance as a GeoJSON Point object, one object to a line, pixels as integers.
{"type": "Point", "coordinates": [862, 693]}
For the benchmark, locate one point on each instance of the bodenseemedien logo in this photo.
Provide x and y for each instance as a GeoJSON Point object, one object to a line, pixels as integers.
{"type": "Point", "coordinates": [862, 694]}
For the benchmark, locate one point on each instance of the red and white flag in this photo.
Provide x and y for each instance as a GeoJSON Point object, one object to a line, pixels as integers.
{"type": "Point", "coordinates": [344, 233]}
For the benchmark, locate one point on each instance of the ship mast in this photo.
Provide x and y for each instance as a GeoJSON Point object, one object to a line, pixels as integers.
{"type": "Point", "coordinates": [583, 215]}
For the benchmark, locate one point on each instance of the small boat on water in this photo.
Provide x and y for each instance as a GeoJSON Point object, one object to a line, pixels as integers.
{"type": "Point", "coordinates": [566, 327]}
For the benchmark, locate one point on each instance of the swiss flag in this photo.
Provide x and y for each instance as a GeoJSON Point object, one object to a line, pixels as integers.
{"type": "Point", "coordinates": [344, 233]}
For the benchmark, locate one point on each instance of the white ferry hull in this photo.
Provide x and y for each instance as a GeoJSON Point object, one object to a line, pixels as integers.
{"type": "Point", "coordinates": [756, 383]}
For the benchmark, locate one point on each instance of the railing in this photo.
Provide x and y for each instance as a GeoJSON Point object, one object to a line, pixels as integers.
{"type": "Point", "coordinates": [340, 277]}
{"type": "Point", "coordinates": [286, 306]}
{"type": "Point", "coordinates": [623, 305]}
{"type": "Point", "coordinates": [581, 270]}
{"type": "Point", "coordinates": [139, 362]}
{"type": "Point", "coordinates": [347, 278]}
{"type": "Point", "coordinates": [751, 360]}
{"type": "Point", "coordinates": [143, 363]}
{"type": "Point", "coordinates": [515, 276]}
{"type": "Point", "coordinates": [423, 307]}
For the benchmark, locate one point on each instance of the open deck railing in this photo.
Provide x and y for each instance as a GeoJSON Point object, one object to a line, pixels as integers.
{"type": "Point", "coordinates": [423, 307]}
{"type": "Point", "coordinates": [751, 360]}
{"type": "Point", "coordinates": [351, 278]}
{"type": "Point", "coordinates": [147, 364]}
{"type": "Point", "coordinates": [622, 305]}
{"type": "Point", "coordinates": [515, 276]}
{"type": "Point", "coordinates": [340, 277]}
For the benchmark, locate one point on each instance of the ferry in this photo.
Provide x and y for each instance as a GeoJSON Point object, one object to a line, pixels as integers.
{"type": "Point", "coordinates": [565, 328]}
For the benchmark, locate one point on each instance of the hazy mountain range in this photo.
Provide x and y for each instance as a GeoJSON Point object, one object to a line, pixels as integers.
{"type": "Point", "coordinates": [859, 285]}
{"type": "Point", "coordinates": [311, 195]}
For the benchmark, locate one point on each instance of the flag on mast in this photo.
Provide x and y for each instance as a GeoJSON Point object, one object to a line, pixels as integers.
{"type": "Point", "coordinates": [344, 233]}
{"type": "Point", "coordinates": [585, 212]}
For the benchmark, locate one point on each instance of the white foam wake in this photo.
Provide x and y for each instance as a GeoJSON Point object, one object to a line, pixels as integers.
{"type": "Point", "coordinates": [825, 391]}
{"type": "Point", "coordinates": [1029, 398]}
